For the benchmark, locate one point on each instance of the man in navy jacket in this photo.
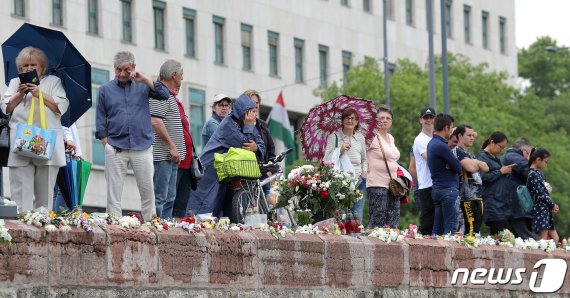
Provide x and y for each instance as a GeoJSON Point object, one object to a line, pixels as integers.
{"type": "Point", "coordinates": [445, 170]}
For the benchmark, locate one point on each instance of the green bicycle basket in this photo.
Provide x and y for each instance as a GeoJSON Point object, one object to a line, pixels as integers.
{"type": "Point", "coordinates": [236, 162]}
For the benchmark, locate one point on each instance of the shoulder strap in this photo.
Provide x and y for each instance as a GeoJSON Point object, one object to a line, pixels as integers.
{"type": "Point", "coordinates": [336, 140]}
{"type": "Point", "coordinates": [384, 156]}
{"type": "Point", "coordinates": [42, 110]}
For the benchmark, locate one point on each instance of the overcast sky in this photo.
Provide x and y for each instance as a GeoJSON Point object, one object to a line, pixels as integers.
{"type": "Point", "coordinates": [535, 18]}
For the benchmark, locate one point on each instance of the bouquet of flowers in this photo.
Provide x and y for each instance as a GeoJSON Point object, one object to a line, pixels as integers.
{"type": "Point", "coordinates": [318, 188]}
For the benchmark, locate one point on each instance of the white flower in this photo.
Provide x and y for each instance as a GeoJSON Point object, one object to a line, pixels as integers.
{"type": "Point", "coordinates": [65, 228]}
{"type": "Point", "coordinates": [51, 228]}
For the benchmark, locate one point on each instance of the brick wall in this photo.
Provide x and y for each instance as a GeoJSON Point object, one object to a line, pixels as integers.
{"type": "Point", "coordinates": [145, 262]}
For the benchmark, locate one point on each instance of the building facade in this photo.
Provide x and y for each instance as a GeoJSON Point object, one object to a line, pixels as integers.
{"type": "Point", "coordinates": [228, 46]}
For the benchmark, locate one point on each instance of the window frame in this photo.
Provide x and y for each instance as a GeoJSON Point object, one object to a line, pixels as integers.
{"type": "Point", "coordinates": [196, 125]}
{"type": "Point", "coordinates": [299, 49]}
{"type": "Point", "coordinates": [189, 16]}
{"type": "Point", "coordinates": [410, 12]}
{"type": "Point", "coordinates": [57, 18]}
{"type": "Point", "coordinates": [19, 8]}
{"type": "Point", "coordinates": [347, 57]}
{"type": "Point", "coordinates": [246, 46]}
{"type": "Point", "coordinates": [159, 17]}
{"type": "Point", "coordinates": [503, 35]}
{"type": "Point", "coordinates": [93, 17]}
{"type": "Point", "coordinates": [485, 29]}
{"type": "Point", "coordinates": [127, 21]}
{"type": "Point", "coordinates": [323, 65]}
{"type": "Point", "coordinates": [467, 24]}
{"type": "Point", "coordinates": [98, 78]}
{"type": "Point", "coordinates": [273, 49]}
{"type": "Point", "coordinates": [219, 57]}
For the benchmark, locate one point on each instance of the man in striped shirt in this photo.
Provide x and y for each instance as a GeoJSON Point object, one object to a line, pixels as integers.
{"type": "Point", "coordinates": [168, 144]}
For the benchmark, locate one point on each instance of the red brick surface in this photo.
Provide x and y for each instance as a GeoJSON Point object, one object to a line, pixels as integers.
{"type": "Point", "coordinates": [144, 258]}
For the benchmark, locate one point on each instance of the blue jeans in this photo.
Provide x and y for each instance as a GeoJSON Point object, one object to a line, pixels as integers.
{"type": "Point", "coordinates": [164, 187]}
{"type": "Point", "coordinates": [358, 207]}
{"type": "Point", "coordinates": [183, 189]}
{"type": "Point", "coordinates": [58, 200]}
{"type": "Point", "coordinates": [445, 219]}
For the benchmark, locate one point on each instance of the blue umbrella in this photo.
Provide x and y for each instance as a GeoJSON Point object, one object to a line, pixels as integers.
{"type": "Point", "coordinates": [64, 59]}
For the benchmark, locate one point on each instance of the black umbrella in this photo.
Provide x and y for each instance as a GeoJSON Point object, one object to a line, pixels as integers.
{"type": "Point", "coordinates": [64, 59]}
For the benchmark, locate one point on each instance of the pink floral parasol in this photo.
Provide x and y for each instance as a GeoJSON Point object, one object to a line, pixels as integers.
{"type": "Point", "coordinates": [325, 119]}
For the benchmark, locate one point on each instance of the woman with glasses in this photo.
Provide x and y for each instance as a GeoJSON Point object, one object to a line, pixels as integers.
{"type": "Point", "coordinates": [352, 144]}
{"type": "Point", "coordinates": [221, 107]}
{"type": "Point", "coordinates": [495, 190]}
{"type": "Point", "coordinates": [383, 207]}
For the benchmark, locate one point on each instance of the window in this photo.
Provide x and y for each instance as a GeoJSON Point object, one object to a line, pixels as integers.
{"type": "Point", "coordinates": [159, 35]}
{"type": "Point", "coordinates": [502, 35]}
{"type": "Point", "coordinates": [189, 16]}
{"type": "Point", "coordinates": [20, 8]}
{"type": "Point", "coordinates": [92, 17]}
{"type": "Point", "coordinates": [323, 65]}
{"type": "Point", "coordinates": [389, 9]}
{"type": "Point", "coordinates": [299, 45]}
{"type": "Point", "coordinates": [219, 39]}
{"type": "Point", "coordinates": [346, 62]}
{"type": "Point", "coordinates": [366, 5]}
{"type": "Point", "coordinates": [196, 114]}
{"type": "Point", "coordinates": [246, 44]}
{"type": "Point", "coordinates": [448, 18]}
{"type": "Point", "coordinates": [98, 78]}
{"type": "Point", "coordinates": [485, 29]}
{"type": "Point", "coordinates": [344, 2]}
{"type": "Point", "coordinates": [467, 23]}
{"type": "Point", "coordinates": [127, 14]}
{"type": "Point", "coordinates": [410, 12]}
{"type": "Point", "coordinates": [273, 43]}
{"type": "Point", "coordinates": [57, 12]}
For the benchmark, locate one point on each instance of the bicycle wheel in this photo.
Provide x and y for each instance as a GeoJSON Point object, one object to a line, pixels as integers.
{"type": "Point", "coordinates": [241, 201]}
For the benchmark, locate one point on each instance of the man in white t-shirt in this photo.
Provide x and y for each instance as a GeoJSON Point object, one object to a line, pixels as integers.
{"type": "Point", "coordinates": [423, 194]}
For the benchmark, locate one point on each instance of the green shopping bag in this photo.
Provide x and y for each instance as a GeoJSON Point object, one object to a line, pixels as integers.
{"type": "Point", "coordinates": [236, 163]}
{"type": "Point", "coordinates": [83, 171]}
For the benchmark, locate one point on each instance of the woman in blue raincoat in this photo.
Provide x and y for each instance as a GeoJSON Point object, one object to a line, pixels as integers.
{"type": "Point", "coordinates": [238, 131]}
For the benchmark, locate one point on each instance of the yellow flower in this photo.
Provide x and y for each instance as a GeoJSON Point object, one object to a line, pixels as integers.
{"type": "Point", "coordinates": [85, 215]}
{"type": "Point", "coordinates": [75, 214]}
{"type": "Point", "coordinates": [52, 214]}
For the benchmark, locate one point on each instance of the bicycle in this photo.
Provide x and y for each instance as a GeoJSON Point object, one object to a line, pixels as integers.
{"type": "Point", "coordinates": [249, 204]}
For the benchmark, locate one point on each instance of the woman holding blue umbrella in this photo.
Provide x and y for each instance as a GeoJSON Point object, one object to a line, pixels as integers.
{"type": "Point", "coordinates": [26, 192]}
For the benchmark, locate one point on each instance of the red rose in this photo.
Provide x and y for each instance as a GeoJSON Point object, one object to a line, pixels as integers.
{"type": "Point", "coordinates": [165, 226]}
{"type": "Point", "coordinates": [189, 219]}
{"type": "Point", "coordinates": [324, 194]}
{"type": "Point", "coordinates": [291, 183]}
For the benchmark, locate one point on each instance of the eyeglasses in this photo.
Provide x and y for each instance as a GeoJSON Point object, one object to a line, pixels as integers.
{"type": "Point", "coordinates": [385, 118]}
{"type": "Point", "coordinates": [224, 106]}
{"type": "Point", "coordinates": [351, 118]}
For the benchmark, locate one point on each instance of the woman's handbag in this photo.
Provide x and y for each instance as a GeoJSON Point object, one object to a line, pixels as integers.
{"type": "Point", "coordinates": [525, 198]}
{"type": "Point", "coordinates": [196, 167]}
{"type": "Point", "coordinates": [396, 186]}
{"type": "Point", "coordinates": [32, 141]}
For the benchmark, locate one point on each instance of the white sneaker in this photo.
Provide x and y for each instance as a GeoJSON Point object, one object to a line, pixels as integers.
{"type": "Point", "coordinates": [204, 217]}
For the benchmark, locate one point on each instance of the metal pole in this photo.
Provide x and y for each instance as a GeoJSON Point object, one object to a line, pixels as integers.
{"type": "Point", "coordinates": [386, 68]}
{"type": "Point", "coordinates": [432, 98]}
{"type": "Point", "coordinates": [444, 17]}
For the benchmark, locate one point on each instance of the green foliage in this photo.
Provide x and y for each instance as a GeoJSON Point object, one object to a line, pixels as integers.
{"type": "Point", "coordinates": [548, 72]}
{"type": "Point", "coordinates": [484, 100]}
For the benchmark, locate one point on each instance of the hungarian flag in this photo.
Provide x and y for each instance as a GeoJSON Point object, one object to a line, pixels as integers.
{"type": "Point", "coordinates": [281, 130]}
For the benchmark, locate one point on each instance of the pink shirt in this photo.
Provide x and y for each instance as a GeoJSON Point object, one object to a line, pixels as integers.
{"type": "Point", "coordinates": [377, 172]}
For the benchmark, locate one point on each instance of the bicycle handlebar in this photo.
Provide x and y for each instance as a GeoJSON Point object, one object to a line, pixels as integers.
{"type": "Point", "coordinates": [277, 159]}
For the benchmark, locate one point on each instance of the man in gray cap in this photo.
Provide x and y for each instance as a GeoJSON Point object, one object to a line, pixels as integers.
{"type": "Point", "coordinates": [221, 106]}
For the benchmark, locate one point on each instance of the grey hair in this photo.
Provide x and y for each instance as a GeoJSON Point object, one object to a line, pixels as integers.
{"type": "Point", "coordinates": [521, 143]}
{"type": "Point", "coordinates": [29, 52]}
{"type": "Point", "coordinates": [124, 57]}
{"type": "Point", "coordinates": [168, 68]}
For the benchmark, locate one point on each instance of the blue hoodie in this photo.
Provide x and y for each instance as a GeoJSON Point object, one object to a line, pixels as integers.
{"type": "Point", "coordinates": [207, 197]}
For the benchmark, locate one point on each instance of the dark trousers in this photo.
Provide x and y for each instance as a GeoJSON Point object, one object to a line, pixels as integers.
{"type": "Point", "coordinates": [521, 227]}
{"type": "Point", "coordinates": [498, 226]}
{"type": "Point", "coordinates": [427, 211]}
{"type": "Point", "coordinates": [183, 188]}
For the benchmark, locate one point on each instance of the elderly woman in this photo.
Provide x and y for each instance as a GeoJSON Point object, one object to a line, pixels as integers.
{"type": "Point", "coordinates": [351, 142]}
{"type": "Point", "coordinates": [383, 207]}
{"type": "Point", "coordinates": [236, 130]}
{"type": "Point", "coordinates": [32, 193]}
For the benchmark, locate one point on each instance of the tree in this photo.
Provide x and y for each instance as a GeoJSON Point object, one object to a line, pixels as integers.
{"type": "Point", "coordinates": [548, 72]}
